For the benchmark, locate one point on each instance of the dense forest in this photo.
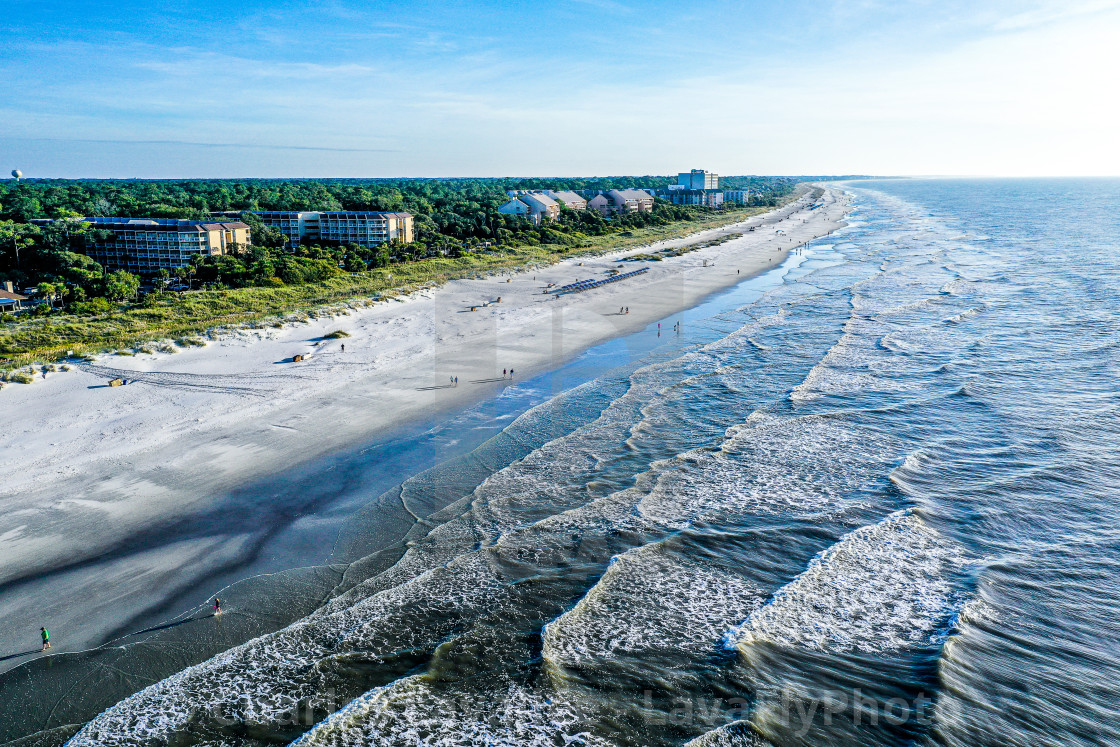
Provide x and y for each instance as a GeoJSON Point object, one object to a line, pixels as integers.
{"type": "Point", "coordinates": [452, 216]}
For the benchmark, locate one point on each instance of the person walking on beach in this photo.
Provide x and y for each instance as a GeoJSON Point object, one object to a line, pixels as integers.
{"type": "Point", "coordinates": [46, 636]}
{"type": "Point", "coordinates": [511, 374]}
{"type": "Point", "coordinates": [344, 347]}
{"type": "Point", "coordinates": [504, 374]}
{"type": "Point", "coordinates": [217, 606]}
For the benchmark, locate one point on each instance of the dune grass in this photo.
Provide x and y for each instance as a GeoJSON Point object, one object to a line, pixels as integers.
{"type": "Point", "coordinates": [26, 340]}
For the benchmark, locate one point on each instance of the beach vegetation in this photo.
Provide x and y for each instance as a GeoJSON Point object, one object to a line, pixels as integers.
{"type": "Point", "coordinates": [84, 308]}
{"type": "Point", "coordinates": [337, 334]}
{"type": "Point", "coordinates": [19, 377]}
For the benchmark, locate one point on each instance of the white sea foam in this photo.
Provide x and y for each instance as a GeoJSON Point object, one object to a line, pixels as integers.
{"type": "Point", "coordinates": [650, 601]}
{"type": "Point", "coordinates": [856, 364]}
{"type": "Point", "coordinates": [966, 314]}
{"type": "Point", "coordinates": [769, 465]}
{"type": "Point", "coordinates": [258, 682]}
{"type": "Point", "coordinates": [412, 711]}
{"type": "Point", "coordinates": [884, 587]}
{"type": "Point", "coordinates": [738, 734]}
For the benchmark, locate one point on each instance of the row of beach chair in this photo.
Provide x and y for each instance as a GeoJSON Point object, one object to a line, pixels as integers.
{"type": "Point", "coordinates": [583, 285]}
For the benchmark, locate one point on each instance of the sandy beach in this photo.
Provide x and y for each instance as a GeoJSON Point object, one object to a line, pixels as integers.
{"type": "Point", "coordinates": [91, 471]}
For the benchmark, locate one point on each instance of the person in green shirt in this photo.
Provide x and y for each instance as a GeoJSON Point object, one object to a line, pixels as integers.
{"type": "Point", "coordinates": [46, 634]}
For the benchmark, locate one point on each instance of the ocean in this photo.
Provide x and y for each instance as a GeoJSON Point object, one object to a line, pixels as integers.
{"type": "Point", "coordinates": [871, 497]}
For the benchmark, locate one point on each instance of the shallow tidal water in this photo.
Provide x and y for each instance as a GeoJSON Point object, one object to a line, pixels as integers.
{"type": "Point", "coordinates": [875, 503]}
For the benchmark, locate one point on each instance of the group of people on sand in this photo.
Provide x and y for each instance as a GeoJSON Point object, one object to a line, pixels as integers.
{"type": "Point", "coordinates": [623, 310]}
{"type": "Point", "coordinates": [507, 375]}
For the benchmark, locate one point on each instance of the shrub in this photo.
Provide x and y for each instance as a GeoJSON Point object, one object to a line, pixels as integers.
{"type": "Point", "coordinates": [337, 334]}
{"type": "Point", "coordinates": [92, 306]}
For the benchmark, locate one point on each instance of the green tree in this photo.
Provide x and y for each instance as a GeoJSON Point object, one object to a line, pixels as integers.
{"type": "Point", "coordinates": [22, 204]}
{"type": "Point", "coordinates": [120, 285]}
{"type": "Point", "coordinates": [51, 291]}
{"type": "Point", "coordinates": [16, 237]}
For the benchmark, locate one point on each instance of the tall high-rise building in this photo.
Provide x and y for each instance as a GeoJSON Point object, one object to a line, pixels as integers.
{"type": "Point", "coordinates": [698, 179]}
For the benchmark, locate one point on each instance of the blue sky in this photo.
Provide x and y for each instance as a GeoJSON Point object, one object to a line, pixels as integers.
{"type": "Point", "coordinates": [566, 87]}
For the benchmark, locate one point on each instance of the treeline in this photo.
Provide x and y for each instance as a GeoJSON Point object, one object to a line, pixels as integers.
{"type": "Point", "coordinates": [452, 216]}
{"type": "Point", "coordinates": [268, 263]}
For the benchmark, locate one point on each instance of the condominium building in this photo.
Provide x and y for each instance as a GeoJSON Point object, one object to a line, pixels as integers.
{"type": "Point", "coordinates": [602, 204]}
{"type": "Point", "coordinates": [706, 197]}
{"type": "Point", "coordinates": [740, 196]}
{"type": "Point", "coordinates": [570, 200]}
{"type": "Point", "coordinates": [631, 199]}
{"type": "Point", "coordinates": [515, 207]}
{"type": "Point", "coordinates": [535, 206]}
{"type": "Point", "coordinates": [339, 226]}
{"type": "Point", "coordinates": [698, 179]}
{"type": "Point", "coordinates": [541, 206]}
{"type": "Point", "coordinates": [293, 224]}
{"type": "Point", "coordinates": [147, 245]}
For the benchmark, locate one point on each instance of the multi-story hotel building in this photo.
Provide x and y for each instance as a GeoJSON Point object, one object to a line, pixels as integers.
{"type": "Point", "coordinates": [339, 226]}
{"type": "Point", "coordinates": [146, 245]}
{"type": "Point", "coordinates": [698, 179]}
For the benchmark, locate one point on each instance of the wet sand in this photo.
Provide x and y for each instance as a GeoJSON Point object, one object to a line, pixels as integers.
{"type": "Point", "coordinates": [128, 498]}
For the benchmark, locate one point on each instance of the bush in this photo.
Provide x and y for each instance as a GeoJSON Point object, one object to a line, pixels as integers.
{"type": "Point", "coordinates": [92, 306]}
{"type": "Point", "coordinates": [19, 377]}
{"type": "Point", "coordinates": [337, 334]}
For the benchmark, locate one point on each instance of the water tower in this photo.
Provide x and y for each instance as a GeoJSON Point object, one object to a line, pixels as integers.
{"type": "Point", "coordinates": [17, 174]}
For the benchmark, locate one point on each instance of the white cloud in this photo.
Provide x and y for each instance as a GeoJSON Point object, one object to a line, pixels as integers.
{"type": "Point", "coordinates": [1055, 12]}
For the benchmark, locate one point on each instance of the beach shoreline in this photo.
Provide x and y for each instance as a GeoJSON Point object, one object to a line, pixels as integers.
{"type": "Point", "coordinates": [103, 468]}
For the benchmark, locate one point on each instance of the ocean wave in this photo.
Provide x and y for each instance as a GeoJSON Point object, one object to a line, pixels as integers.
{"type": "Point", "coordinates": [855, 364]}
{"type": "Point", "coordinates": [413, 711]}
{"type": "Point", "coordinates": [769, 465]}
{"type": "Point", "coordinates": [740, 734]}
{"type": "Point", "coordinates": [882, 588]}
{"type": "Point", "coordinates": [650, 602]}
